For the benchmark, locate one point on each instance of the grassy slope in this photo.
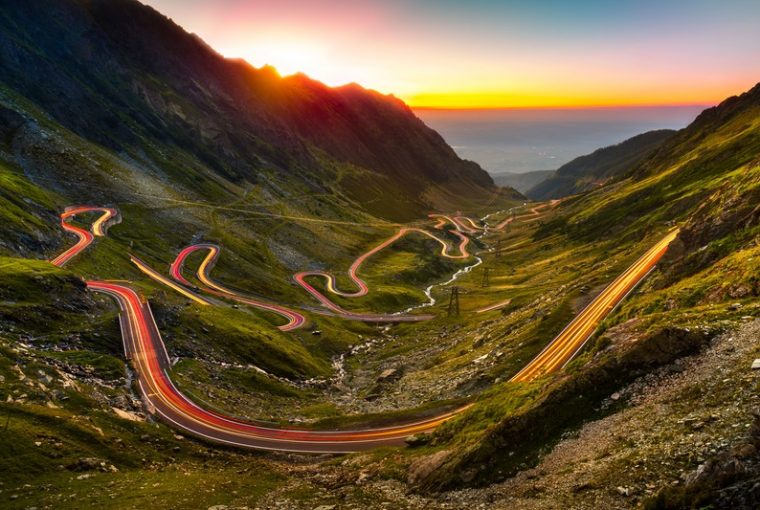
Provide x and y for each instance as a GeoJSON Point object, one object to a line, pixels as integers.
{"type": "Point", "coordinates": [544, 268]}
{"type": "Point", "coordinates": [709, 183]}
{"type": "Point", "coordinates": [49, 421]}
{"type": "Point", "coordinates": [603, 165]}
{"type": "Point", "coordinates": [168, 200]}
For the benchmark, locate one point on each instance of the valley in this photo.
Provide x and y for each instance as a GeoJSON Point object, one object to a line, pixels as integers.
{"type": "Point", "coordinates": [146, 349]}
{"type": "Point", "coordinates": [223, 288]}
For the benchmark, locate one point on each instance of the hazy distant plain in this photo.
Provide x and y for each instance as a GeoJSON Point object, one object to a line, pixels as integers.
{"type": "Point", "coordinates": [523, 140]}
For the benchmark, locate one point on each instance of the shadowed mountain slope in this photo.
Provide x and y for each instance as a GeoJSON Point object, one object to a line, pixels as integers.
{"type": "Point", "coordinates": [122, 75]}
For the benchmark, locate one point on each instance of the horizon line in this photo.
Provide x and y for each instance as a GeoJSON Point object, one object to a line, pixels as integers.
{"type": "Point", "coordinates": [567, 107]}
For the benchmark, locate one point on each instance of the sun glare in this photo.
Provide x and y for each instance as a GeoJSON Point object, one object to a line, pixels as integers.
{"type": "Point", "coordinates": [289, 57]}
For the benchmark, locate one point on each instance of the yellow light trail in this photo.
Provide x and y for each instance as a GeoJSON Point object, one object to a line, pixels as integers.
{"type": "Point", "coordinates": [155, 275]}
{"type": "Point", "coordinates": [569, 342]}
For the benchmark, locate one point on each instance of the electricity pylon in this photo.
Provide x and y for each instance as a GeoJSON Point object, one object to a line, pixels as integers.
{"type": "Point", "coordinates": [454, 302]}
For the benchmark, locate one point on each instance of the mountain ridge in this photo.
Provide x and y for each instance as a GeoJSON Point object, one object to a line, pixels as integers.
{"type": "Point", "coordinates": [120, 73]}
{"type": "Point", "coordinates": [260, 185]}
{"type": "Point", "coordinates": [522, 182]}
{"type": "Point", "coordinates": [591, 170]}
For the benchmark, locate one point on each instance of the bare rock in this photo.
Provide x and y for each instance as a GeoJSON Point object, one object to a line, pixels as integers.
{"type": "Point", "coordinates": [417, 440]}
{"type": "Point", "coordinates": [127, 415]}
{"type": "Point", "coordinates": [389, 374]}
{"type": "Point", "coordinates": [424, 466]}
{"type": "Point", "coordinates": [91, 464]}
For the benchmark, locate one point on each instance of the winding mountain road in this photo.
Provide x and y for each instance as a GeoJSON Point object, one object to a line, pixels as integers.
{"type": "Point", "coordinates": [294, 319]}
{"type": "Point", "coordinates": [363, 289]}
{"type": "Point", "coordinates": [535, 213]}
{"type": "Point", "coordinates": [144, 346]}
{"type": "Point", "coordinates": [98, 228]}
{"type": "Point", "coordinates": [156, 276]}
{"type": "Point", "coordinates": [461, 223]}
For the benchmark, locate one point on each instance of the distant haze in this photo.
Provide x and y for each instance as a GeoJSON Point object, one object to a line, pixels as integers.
{"type": "Point", "coordinates": [523, 140]}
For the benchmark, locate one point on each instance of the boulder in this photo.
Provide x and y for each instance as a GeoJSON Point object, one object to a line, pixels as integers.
{"type": "Point", "coordinates": [417, 440]}
{"type": "Point", "coordinates": [422, 468]}
{"type": "Point", "coordinates": [91, 464]}
{"type": "Point", "coordinates": [388, 374]}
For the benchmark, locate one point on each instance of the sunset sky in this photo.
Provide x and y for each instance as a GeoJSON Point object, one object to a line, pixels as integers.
{"type": "Point", "coordinates": [479, 53]}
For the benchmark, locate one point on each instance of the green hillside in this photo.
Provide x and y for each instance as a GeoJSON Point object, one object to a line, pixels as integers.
{"type": "Point", "coordinates": [603, 165]}
{"type": "Point", "coordinates": [706, 179]}
{"type": "Point", "coordinates": [288, 175]}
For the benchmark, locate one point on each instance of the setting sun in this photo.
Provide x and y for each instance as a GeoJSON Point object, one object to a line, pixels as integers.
{"type": "Point", "coordinates": [291, 54]}
{"type": "Point", "coordinates": [287, 56]}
